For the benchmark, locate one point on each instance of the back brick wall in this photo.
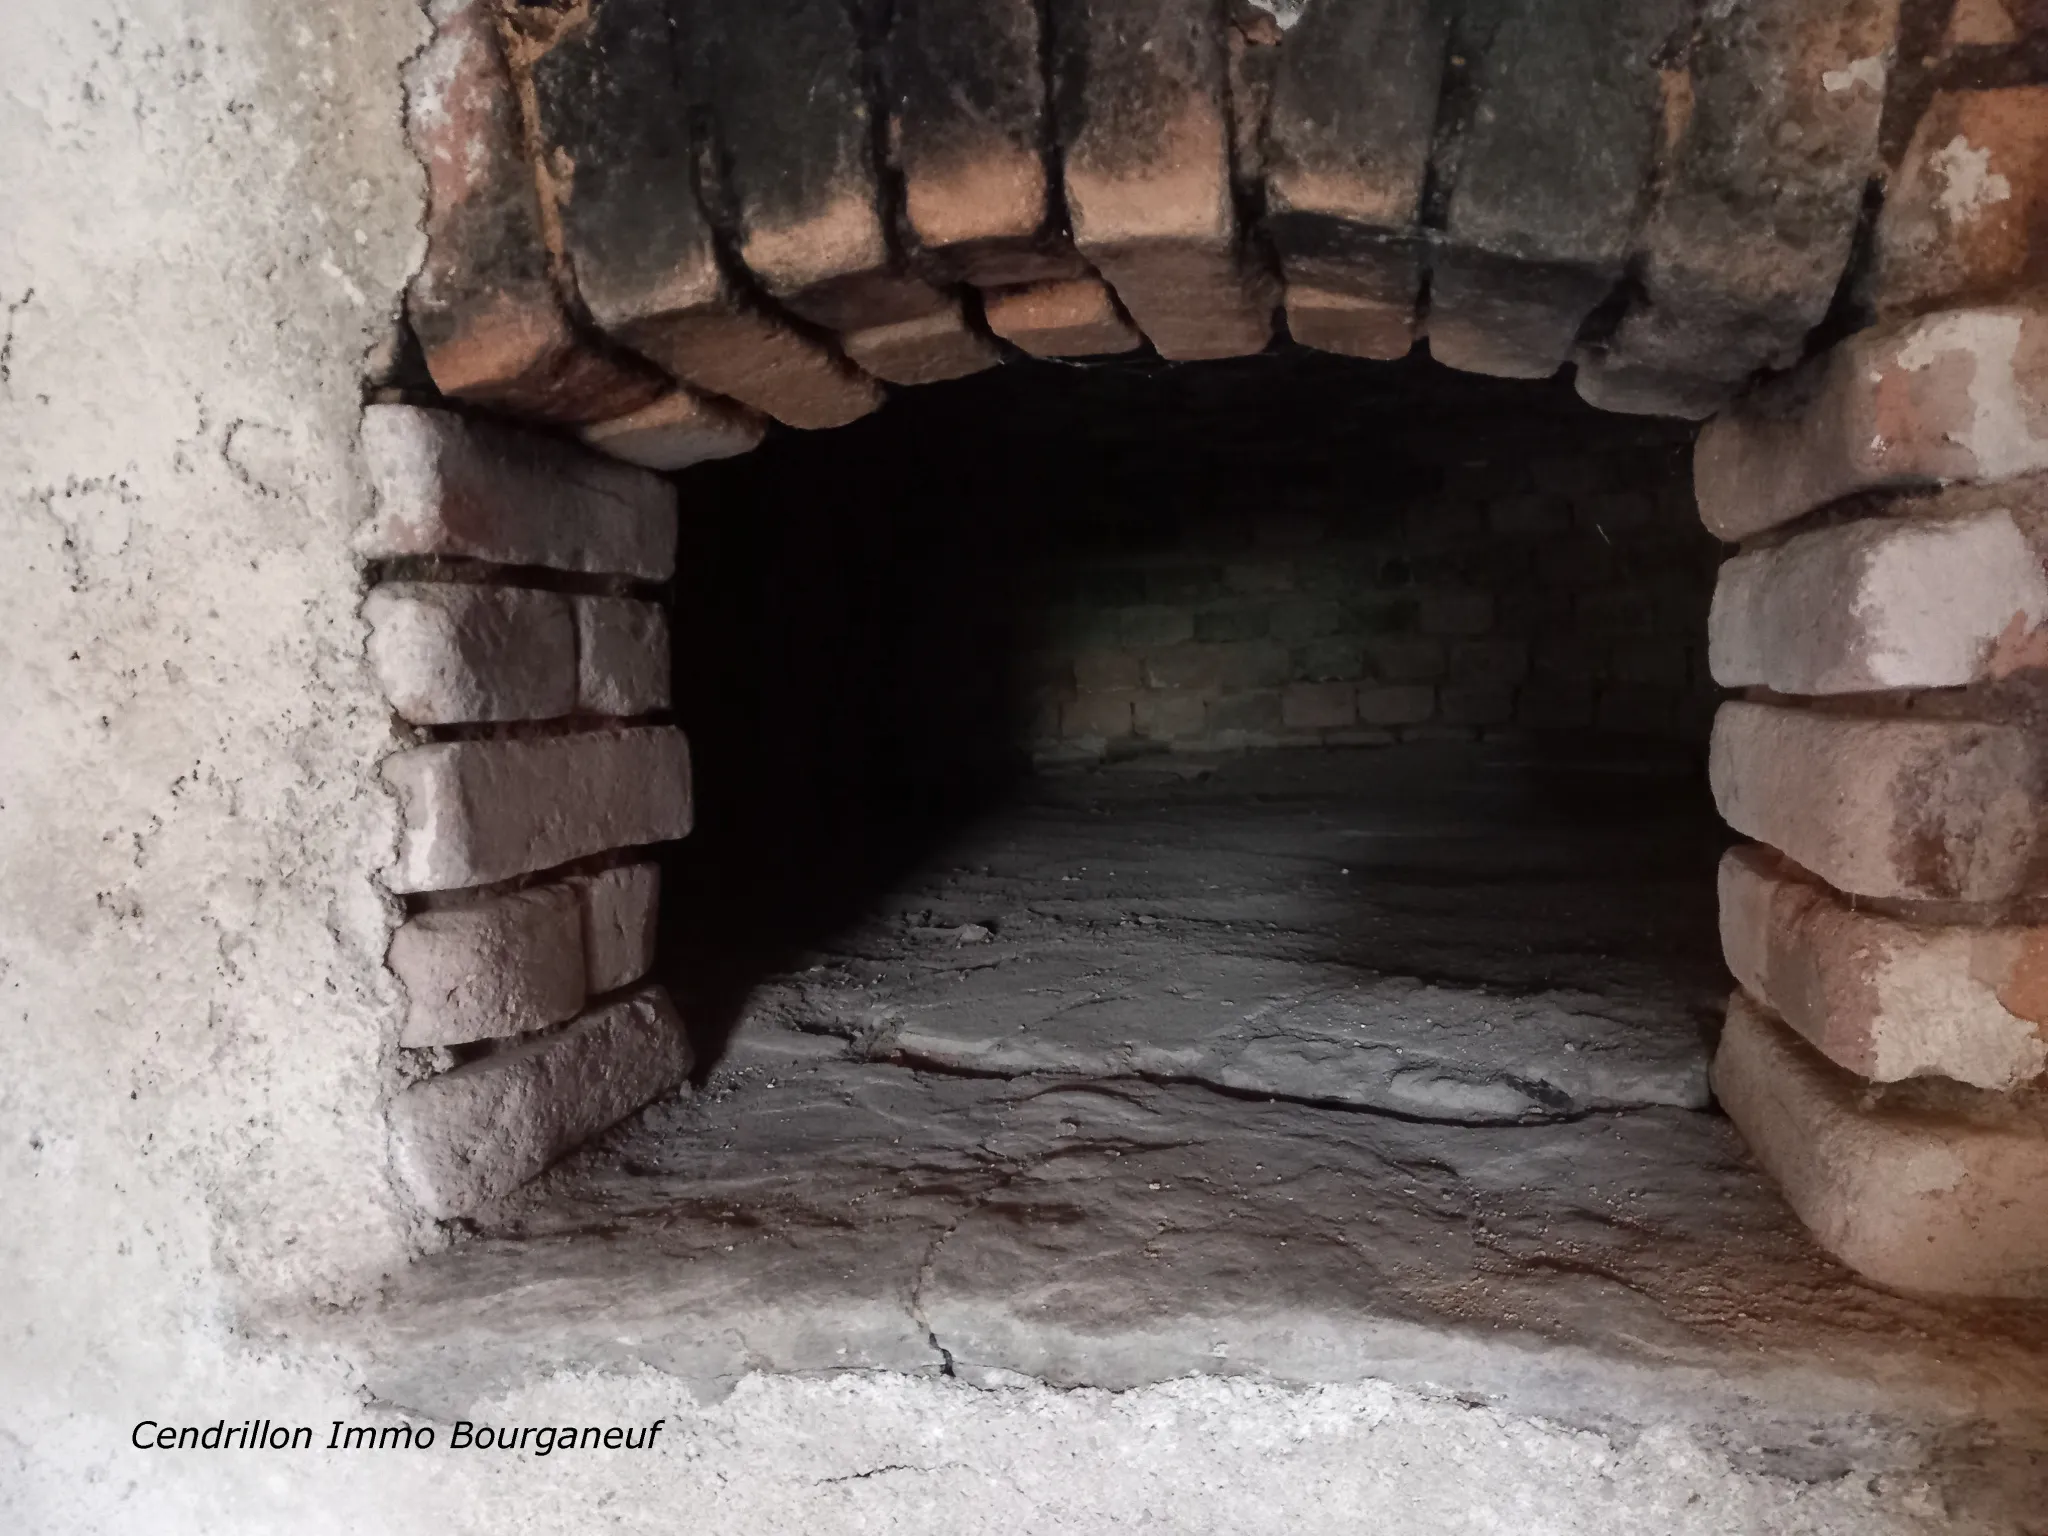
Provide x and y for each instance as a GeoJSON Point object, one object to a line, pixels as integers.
{"type": "Point", "coordinates": [1457, 562]}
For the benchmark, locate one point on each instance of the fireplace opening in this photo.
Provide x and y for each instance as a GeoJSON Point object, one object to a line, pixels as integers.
{"type": "Point", "coordinates": [1419, 653]}
{"type": "Point", "coordinates": [1183, 854]}
{"type": "Point", "coordinates": [1196, 869]}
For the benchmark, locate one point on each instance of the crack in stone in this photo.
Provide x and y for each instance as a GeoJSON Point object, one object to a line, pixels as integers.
{"type": "Point", "coordinates": [1016, 1169]}
{"type": "Point", "coordinates": [894, 1466]}
{"type": "Point", "coordinates": [916, 1061]}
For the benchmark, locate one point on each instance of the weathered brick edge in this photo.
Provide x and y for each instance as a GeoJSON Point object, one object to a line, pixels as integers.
{"type": "Point", "coordinates": [519, 590]}
{"type": "Point", "coordinates": [1888, 614]}
{"type": "Point", "coordinates": [1933, 1188]}
{"type": "Point", "coordinates": [1670, 204]}
{"type": "Point", "coordinates": [468, 1136]}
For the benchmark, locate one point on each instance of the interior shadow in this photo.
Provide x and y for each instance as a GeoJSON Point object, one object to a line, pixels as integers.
{"type": "Point", "coordinates": [862, 616]}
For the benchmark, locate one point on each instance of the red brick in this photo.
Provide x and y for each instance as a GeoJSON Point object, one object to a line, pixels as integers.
{"type": "Point", "coordinates": [1171, 714]}
{"type": "Point", "coordinates": [1771, 125]}
{"type": "Point", "coordinates": [1396, 704]}
{"type": "Point", "coordinates": [1184, 666]}
{"type": "Point", "coordinates": [1318, 706]}
{"type": "Point", "coordinates": [474, 812]}
{"type": "Point", "coordinates": [1354, 105]}
{"type": "Point", "coordinates": [1146, 146]}
{"type": "Point", "coordinates": [493, 968]}
{"type": "Point", "coordinates": [476, 1133]}
{"type": "Point", "coordinates": [784, 96]}
{"type": "Point", "coordinates": [1456, 613]}
{"type": "Point", "coordinates": [1913, 808]}
{"type": "Point", "coordinates": [622, 656]}
{"type": "Point", "coordinates": [1074, 318]}
{"type": "Point", "coordinates": [1107, 671]}
{"type": "Point", "coordinates": [1562, 135]}
{"type": "Point", "coordinates": [1405, 659]}
{"type": "Point", "coordinates": [680, 429]}
{"type": "Point", "coordinates": [1989, 23]}
{"type": "Point", "coordinates": [1956, 396]}
{"type": "Point", "coordinates": [448, 653]}
{"type": "Point", "coordinates": [1098, 714]}
{"type": "Point", "coordinates": [1252, 664]}
{"type": "Point", "coordinates": [612, 109]}
{"type": "Point", "coordinates": [484, 304]}
{"type": "Point", "coordinates": [967, 121]}
{"type": "Point", "coordinates": [1877, 603]}
{"type": "Point", "coordinates": [1883, 998]}
{"type": "Point", "coordinates": [1475, 705]}
{"type": "Point", "coordinates": [1931, 1187]}
{"type": "Point", "coordinates": [924, 349]}
{"type": "Point", "coordinates": [619, 908]}
{"type": "Point", "coordinates": [1965, 217]}
{"type": "Point", "coordinates": [446, 485]}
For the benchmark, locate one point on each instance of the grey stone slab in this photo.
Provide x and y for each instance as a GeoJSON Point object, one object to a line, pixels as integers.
{"type": "Point", "coordinates": [809, 1214]}
{"type": "Point", "coordinates": [1264, 1025]}
{"type": "Point", "coordinates": [1625, 1270]}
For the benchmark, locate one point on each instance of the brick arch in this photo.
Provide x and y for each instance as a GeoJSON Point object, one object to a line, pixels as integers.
{"type": "Point", "coordinates": [652, 230]}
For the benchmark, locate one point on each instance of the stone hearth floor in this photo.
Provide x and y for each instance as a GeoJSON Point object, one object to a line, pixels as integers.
{"type": "Point", "coordinates": [1312, 1067]}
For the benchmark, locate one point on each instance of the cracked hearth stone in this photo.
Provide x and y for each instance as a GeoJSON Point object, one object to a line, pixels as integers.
{"type": "Point", "coordinates": [806, 1214]}
{"type": "Point", "coordinates": [1353, 1176]}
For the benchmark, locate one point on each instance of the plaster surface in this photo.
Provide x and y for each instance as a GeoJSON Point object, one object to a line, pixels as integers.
{"type": "Point", "coordinates": [210, 215]}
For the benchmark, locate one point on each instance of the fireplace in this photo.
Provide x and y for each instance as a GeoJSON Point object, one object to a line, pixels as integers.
{"type": "Point", "coordinates": [1061, 683]}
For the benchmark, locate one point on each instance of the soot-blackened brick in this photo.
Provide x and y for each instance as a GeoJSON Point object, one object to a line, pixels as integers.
{"type": "Point", "coordinates": [1550, 169]}
{"type": "Point", "coordinates": [1144, 127]}
{"type": "Point", "coordinates": [969, 126]}
{"type": "Point", "coordinates": [785, 94]}
{"type": "Point", "coordinates": [1354, 107]}
{"type": "Point", "coordinates": [484, 304]}
{"type": "Point", "coordinates": [1771, 123]}
{"type": "Point", "coordinates": [615, 122]}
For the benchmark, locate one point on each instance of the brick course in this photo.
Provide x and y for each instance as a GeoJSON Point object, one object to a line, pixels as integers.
{"type": "Point", "coordinates": [617, 910]}
{"type": "Point", "coordinates": [1917, 809]}
{"type": "Point", "coordinates": [478, 1132]}
{"type": "Point", "coordinates": [1550, 586]}
{"type": "Point", "coordinates": [1930, 1187]}
{"type": "Point", "coordinates": [622, 656]}
{"type": "Point", "coordinates": [500, 966]}
{"type": "Point", "coordinates": [447, 486]}
{"type": "Point", "coordinates": [1881, 997]}
{"type": "Point", "coordinates": [478, 811]}
{"type": "Point", "coordinates": [1876, 604]}
{"type": "Point", "coordinates": [1957, 396]}
{"type": "Point", "coordinates": [454, 652]}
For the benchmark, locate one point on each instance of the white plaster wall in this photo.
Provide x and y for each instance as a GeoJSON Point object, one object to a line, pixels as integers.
{"type": "Point", "coordinates": [206, 212]}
